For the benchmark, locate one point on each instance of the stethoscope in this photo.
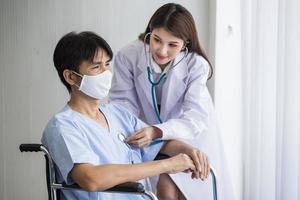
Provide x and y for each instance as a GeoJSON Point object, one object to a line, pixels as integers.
{"type": "Point", "coordinates": [162, 77]}
{"type": "Point", "coordinates": [122, 138]}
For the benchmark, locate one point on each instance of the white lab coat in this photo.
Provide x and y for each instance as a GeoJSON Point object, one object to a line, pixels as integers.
{"type": "Point", "coordinates": [186, 110]}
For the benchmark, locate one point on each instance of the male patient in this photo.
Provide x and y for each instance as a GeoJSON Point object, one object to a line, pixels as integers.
{"type": "Point", "coordinates": [88, 142]}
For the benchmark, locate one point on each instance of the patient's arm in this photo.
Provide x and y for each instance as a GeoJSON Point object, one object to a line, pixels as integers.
{"type": "Point", "coordinates": [101, 177]}
{"type": "Point", "coordinates": [174, 147]}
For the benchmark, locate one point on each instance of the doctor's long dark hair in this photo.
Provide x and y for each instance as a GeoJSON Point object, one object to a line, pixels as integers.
{"type": "Point", "coordinates": [179, 22]}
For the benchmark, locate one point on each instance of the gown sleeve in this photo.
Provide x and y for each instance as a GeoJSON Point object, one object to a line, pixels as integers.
{"type": "Point", "coordinates": [67, 147]}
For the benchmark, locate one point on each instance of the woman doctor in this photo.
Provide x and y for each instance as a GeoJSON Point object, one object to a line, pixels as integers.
{"type": "Point", "coordinates": [162, 78]}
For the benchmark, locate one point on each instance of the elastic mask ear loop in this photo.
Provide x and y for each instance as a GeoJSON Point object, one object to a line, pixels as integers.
{"type": "Point", "coordinates": [81, 76]}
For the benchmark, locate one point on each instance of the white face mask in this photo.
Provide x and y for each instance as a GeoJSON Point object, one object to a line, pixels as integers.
{"type": "Point", "coordinates": [96, 86]}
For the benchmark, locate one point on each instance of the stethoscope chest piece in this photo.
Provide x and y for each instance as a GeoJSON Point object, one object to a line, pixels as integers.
{"type": "Point", "coordinates": [121, 137]}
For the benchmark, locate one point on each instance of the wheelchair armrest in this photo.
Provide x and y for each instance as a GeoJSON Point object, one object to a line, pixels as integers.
{"type": "Point", "coordinates": [128, 187]}
{"type": "Point", "coordinates": [30, 147]}
{"type": "Point", "coordinates": [133, 187]}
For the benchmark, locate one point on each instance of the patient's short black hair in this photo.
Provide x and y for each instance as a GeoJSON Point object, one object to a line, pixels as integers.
{"type": "Point", "coordinates": [74, 48]}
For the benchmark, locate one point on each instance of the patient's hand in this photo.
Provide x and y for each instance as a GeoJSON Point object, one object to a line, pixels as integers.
{"type": "Point", "coordinates": [179, 163]}
{"type": "Point", "coordinates": [144, 136]}
{"type": "Point", "coordinates": [201, 162]}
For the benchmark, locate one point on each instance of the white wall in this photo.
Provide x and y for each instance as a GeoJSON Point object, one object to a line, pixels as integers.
{"type": "Point", "coordinates": [29, 87]}
{"type": "Point", "coordinates": [228, 85]}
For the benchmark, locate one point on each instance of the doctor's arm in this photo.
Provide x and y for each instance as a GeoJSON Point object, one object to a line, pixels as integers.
{"type": "Point", "coordinates": [196, 106]}
{"type": "Point", "coordinates": [101, 177]}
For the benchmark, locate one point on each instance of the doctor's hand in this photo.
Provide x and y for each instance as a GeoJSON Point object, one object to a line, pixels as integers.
{"type": "Point", "coordinates": [201, 162]}
{"type": "Point", "coordinates": [144, 136]}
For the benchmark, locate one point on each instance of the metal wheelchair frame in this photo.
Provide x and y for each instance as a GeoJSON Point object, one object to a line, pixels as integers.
{"type": "Point", "coordinates": [54, 188]}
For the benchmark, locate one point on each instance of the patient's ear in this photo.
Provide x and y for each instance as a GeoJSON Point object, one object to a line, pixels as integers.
{"type": "Point", "coordinates": [70, 77]}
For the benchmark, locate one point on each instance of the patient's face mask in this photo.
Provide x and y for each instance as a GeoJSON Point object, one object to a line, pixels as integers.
{"type": "Point", "coordinates": [96, 86]}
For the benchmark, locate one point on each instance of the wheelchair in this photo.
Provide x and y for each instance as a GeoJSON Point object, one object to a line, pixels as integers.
{"type": "Point", "coordinates": [53, 187]}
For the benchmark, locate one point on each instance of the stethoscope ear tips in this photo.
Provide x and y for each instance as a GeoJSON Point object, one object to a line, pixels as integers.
{"type": "Point", "coordinates": [186, 51]}
{"type": "Point", "coordinates": [146, 35]}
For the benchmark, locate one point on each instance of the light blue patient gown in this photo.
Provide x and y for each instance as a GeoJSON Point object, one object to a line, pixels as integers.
{"type": "Point", "coordinates": [75, 138]}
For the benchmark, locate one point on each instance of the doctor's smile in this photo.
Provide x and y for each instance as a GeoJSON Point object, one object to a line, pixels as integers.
{"type": "Point", "coordinates": [161, 57]}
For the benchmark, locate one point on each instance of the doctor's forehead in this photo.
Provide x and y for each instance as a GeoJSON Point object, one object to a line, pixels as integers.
{"type": "Point", "coordinates": [165, 35]}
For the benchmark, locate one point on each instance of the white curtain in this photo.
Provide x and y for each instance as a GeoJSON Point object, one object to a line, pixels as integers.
{"type": "Point", "coordinates": [271, 85]}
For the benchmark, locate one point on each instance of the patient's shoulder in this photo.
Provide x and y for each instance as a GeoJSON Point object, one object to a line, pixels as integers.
{"type": "Point", "coordinates": [64, 119]}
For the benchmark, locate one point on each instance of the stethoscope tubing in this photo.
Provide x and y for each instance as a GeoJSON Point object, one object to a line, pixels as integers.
{"type": "Point", "coordinates": [153, 93]}
{"type": "Point", "coordinates": [153, 83]}
{"type": "Point", "coordinates": [163, 76]}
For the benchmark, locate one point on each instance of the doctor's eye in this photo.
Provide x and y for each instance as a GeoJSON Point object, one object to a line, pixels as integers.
{"type": "Point", "coordinates": [173, 45]}
{"type": "Point", "coordinates": [157, 40]}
